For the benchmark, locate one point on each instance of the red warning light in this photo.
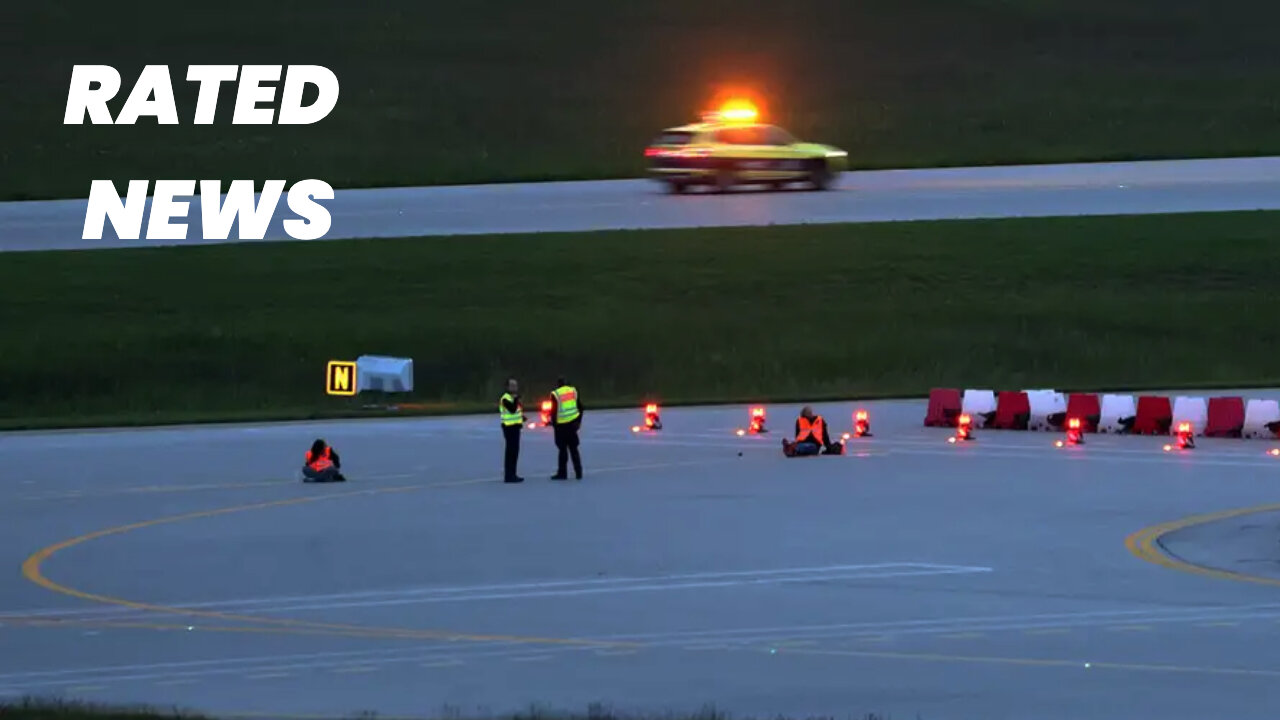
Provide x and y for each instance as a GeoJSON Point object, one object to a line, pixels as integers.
{"type": "Point", "coordinates": [652, 421]}
{"type": "Point", "coordinates": [1274, 452]}
{"type": "Point", "coordinates": [964, 431]}
{"type": "Point", "coordinates": [545, 413]}
{"type": "Point", "coordinates": [861, 423]}
{"type": "Point", "coordinates": [1186, 438]}
{"type": "Point", "coordinates": [757, 420]}
{"type": "Point", "coordinates": [1075, 435]}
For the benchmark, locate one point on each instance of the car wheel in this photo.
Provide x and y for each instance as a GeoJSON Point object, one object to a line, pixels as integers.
{"type": "Point", "coordinates": [820, 176]}
{"type": "Point", "coordinates": [675, 187]}
{"type": "Point", "coordinates": [724, 181]}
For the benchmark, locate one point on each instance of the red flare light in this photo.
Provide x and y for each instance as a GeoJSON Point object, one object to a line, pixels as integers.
{"type": "Point", "coordinates": [1075, 435]}
{"type": "Point", "coordinates": [1186, 438]}
{"type": "Point", "coordinates": [545, 413]}
{"type": "Point", "coordinates": [651, 419]}
{"type": "Point", "coordinates": [757, 420]}
{"type": "Point", "coordinates": [964, 430]}
{"type": "Point", "coordinates": [861, 423]}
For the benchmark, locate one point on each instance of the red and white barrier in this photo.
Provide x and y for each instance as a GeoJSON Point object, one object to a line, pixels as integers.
{"type": "Point", "coordinates": [1261, 419]}
{"type": "Point", "coordinates": [1051, 410]}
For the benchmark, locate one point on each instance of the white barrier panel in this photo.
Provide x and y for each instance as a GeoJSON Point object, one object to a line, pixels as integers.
{"type": "Point", "coordinates": [1044, 403]}
{"type": "Point", "coordinates": [384, 374]}
{"type": "Point", "coordinates": [1115, 410]}
{"type": "Point", "coordinates": [977, 404]}
{"type": "Point", "coordinates": [1258, 414]}
{"type": "Point", "coordinates": [1194, 410]}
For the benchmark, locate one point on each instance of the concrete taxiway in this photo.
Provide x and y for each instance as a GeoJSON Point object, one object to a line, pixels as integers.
{"type": "Point", "coordinates": [1004, 578]}
{"type": "Point", "coordinates": [876, 196]}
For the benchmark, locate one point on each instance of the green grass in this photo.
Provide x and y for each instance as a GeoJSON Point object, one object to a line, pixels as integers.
{"type": "Point", "coordinates": [512, 90]}
{"type": "Point", "coordinates": [57, 710]}
{"type": "Point", "coordinates": [225, 332]}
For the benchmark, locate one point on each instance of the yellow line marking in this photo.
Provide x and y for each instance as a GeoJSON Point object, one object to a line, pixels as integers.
{"type": "Point", "coordinates": [1143, 545]}
{"type": "Point", "coordinates": [32, 570]}
{"type": "Point", "coordinates": [1042, 662]}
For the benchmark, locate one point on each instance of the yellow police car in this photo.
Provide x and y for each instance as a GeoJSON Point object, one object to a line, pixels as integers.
{"type": "Point", "coordinates": [730, 148]}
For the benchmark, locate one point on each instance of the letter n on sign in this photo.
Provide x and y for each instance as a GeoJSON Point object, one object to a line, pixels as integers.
{"type": "Point", "coordinates": [340, 378]}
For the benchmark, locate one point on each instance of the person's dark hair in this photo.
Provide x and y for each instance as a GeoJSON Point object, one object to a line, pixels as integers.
{"type": "Point", "coordinates": [560, 381]}
{"type": "Point", "coordinates": [317, 447]}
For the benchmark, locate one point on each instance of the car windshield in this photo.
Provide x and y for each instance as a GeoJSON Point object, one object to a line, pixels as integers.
{"type": "Point", "coordinates": [755, 135]}
{"type": "Point", "coordinates": [777, 136]}
{"type": "Point", "coordinates": [673, 138]}
{"type": "Point", "coordinates": [748, 135]}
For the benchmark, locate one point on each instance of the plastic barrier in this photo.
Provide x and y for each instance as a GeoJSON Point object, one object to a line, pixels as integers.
{"type": "Point", "coordinates": [944, 408]}
{"type": "Point", "coordinates": [1087, 408]}
{"type": "Point", "coordinates": [1013, 409]}
{"type": "Point", "coordinates": [1048, 410]}
{"type": "Point", "coordinates": [1117, 414]}
{"type": "Point", "coordinates": [1155, 415]}
{"type": "Point", "coordinates": [1262, 419]}
{"type": "Point", "coordinates": [1194, 410]}
{"type": "Point", "coordinates": [980, 406]}
{"type": "Point", "coordinates": [384, 374]}
{"type": "Point", "coordinates": [1225, 417]}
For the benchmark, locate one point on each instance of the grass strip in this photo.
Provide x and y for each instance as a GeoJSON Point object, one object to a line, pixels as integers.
{"type": "Point", "coordinates": [35, 709]}
{"type": "Point", "coordinates": [680, 316]}
{"type": "Point", "coordinates": [512, 90]}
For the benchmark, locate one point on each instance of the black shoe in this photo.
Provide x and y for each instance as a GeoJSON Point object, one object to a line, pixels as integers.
{"type": "Point", "coordinates": [559, 476]}
{"type": "Point", "coordinates": [514, 480]}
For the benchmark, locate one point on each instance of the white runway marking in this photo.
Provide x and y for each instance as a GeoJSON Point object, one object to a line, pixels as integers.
{"type": "Point", "coordinates": [546, 589]}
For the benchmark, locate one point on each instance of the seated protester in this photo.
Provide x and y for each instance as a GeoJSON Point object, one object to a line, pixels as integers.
{"type": "Point", "coordinates": [322, 464]}
{"type": "Point", "coordinates": [811, 437]}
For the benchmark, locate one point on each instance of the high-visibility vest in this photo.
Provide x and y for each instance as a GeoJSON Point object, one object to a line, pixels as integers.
{"type": "Point", "coordinates": [319, 463]}
{"type": "Point", "coordinates": [510, 418]}
{"type": "Point", "coordinates": [566, 404]}
{"type": "Point", "coordinates": [810, 430]}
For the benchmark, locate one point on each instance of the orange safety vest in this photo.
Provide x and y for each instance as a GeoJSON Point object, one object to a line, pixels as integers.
{"type": "Point", "coordinates": [810, 430]}
{"type": "Point", "coordinates": [321, 463]}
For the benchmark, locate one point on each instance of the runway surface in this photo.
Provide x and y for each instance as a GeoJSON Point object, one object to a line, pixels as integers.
{"type": "Point", "coordinates": [993, 192]}
{"type": "Point", "coordinates": [1005, 578]}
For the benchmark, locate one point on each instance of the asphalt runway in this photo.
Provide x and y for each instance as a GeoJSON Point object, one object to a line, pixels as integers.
{"type": "Point", "coordinates": [1004, 578]}
{"type": "Point", "coordinates": [878, 196]}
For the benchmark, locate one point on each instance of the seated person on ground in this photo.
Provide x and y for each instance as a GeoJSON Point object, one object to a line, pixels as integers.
{"type": "Point", "coordinates": [322, 464]}
{"type": "Point", "coordinates": [811, 437]}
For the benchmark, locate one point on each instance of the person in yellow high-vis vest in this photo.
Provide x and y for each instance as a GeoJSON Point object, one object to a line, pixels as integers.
{"type": "Point", "coordinates": [566, 419]}
{"type": "Point", "coordinates": [511, 410]}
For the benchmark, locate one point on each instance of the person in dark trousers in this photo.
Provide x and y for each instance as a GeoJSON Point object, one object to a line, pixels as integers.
{"type": "Point", "coordinates": [811, 437]}
{"type": "Point", "coordinates": [511, 410]}
{"type": "Point", "coordinates": [566, 419]}
{"type": "Point", "coordinates": [322, 464]}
